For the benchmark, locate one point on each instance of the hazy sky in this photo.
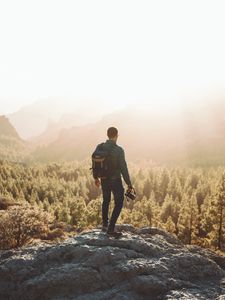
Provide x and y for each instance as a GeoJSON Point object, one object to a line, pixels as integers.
{"type": "Point", "coordinates": [116, 50]}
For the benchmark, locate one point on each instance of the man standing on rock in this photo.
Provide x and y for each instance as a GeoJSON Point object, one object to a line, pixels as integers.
{"type": "Point", "coordinates": [108, 163]}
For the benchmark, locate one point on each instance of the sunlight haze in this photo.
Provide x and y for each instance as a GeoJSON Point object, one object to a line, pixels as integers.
{"type": "Point", "coordinates": [118, 51]}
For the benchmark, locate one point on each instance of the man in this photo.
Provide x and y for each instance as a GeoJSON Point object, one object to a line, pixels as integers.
{"type": "Point", "coordinates": [114, 182]}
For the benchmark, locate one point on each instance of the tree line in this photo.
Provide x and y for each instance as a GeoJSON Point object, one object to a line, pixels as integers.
{"type": "Point", "coordinates": [188, 202]}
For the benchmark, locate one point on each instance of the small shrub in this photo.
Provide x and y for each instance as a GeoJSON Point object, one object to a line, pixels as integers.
{"type": "Point", "coordinates": [20, 224]}
{"type": "Point", "coordinates": [6, 202]}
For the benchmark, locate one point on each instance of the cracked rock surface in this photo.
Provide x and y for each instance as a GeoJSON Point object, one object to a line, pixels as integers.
{"type": "Point", "coordinates": [146, 263]}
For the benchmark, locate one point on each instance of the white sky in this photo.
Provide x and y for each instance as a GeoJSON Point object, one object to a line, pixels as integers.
{"type": "Point", "coordinates": [120, 50]}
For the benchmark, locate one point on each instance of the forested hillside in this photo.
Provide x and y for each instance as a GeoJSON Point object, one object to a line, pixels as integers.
{"type": "Point", "coordinates": [7, 129]}
{"type": "Point", "coordinates": [187, 202]}
{"type": "Point", "coordinates": [12, 147]}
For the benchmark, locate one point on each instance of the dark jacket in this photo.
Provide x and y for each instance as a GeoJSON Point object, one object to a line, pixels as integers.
{"type": "Point", "coordinates": [119, 156]}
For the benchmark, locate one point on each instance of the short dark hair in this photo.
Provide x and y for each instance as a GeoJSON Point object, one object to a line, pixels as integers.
{"type": "Point", "coordinates": [112, 132]}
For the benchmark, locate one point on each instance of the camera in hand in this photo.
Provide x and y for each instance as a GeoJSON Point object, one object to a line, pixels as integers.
{"type": "Point", "coordinates": [130, 194]}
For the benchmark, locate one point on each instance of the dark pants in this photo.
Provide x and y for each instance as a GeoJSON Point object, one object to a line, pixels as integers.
{"type": "Point", "coordinates": [116, 187]}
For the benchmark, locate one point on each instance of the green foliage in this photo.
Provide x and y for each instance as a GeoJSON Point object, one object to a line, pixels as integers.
{"type": "Point", "coordinates": [215, 216]}
{"type": "Point", "coordinates": [21, 223]}
{"type": "Point", "coordinates": [13, 149]}
{"type": "Point", "coordinates": [186, 201]}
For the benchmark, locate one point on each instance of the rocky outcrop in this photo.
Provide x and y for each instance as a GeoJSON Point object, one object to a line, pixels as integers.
{"type": "Point", "coordinates": [146, 263]}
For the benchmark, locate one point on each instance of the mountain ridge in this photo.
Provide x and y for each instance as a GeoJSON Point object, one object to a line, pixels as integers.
{"type": "Point", "coordinates": [12, 146]}
{"type": "Point", "coordinates": [164, 137]}
{"type": "Point", "coordinates": [7, 129]}
{"type": "Point", "coordinates": [63, 112]}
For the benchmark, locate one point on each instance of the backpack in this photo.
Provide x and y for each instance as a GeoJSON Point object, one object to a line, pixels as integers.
{"type": "Point", "coordinates": [102, 163]}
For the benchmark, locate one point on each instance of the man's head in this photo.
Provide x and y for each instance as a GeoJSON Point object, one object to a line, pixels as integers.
{"type": "Point", "coordinates": [112, 133]}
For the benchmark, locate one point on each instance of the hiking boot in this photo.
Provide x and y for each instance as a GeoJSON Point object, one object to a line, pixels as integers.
{"type": "Point", "coordinates": [114, 233]}
{"type": "Point", "coordinates": [104, 228]}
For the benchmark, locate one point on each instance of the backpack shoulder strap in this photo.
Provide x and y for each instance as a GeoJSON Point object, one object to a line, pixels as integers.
{"type": "Point", "coordinates": [99, 146]}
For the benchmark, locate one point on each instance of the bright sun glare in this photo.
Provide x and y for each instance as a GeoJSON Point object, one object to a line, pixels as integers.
{"type": "Point", "coordinates": [120, 51]}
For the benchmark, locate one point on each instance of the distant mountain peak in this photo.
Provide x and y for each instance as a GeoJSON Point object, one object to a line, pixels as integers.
{"type": "Point", "coordinates": [6, 128]}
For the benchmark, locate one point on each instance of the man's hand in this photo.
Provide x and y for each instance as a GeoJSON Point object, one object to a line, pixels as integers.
{"type": "Point", "coordinates": [97, 182]}
{"type": "Point", "coordinates": [130, 188]}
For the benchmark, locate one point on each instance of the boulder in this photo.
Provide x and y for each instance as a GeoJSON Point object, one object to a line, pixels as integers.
{"type": "Point", "coordinates": [147, 263]}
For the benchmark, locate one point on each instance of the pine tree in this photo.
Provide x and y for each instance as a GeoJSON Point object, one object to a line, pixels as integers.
{"type": "Point", "coordinates": [94, 212]}
{"type": "Point", "coordinates": [217, 215]}
{"type": "Point", "coordinates": [147, 188]}
{"type": "Point", "coordinates": [169, 225]}
{"type": "Point", "coordinates": [78, 211]}
{"type": "Point", "coordinates": [188, 217]}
